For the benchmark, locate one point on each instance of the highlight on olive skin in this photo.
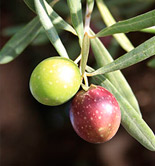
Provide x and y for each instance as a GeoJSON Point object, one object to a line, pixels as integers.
{"type": "Point", "coordinates": [55, 80]}
{"type": "Point", "coordinates": [95, 114]}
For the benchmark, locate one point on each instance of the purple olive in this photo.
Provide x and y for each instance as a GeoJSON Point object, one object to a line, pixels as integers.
{"type": "Point", "coordinates": [95, 114]}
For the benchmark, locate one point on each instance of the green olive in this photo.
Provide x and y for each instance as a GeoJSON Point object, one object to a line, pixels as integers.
{"type": "Point", "coordinates": [55, 80]}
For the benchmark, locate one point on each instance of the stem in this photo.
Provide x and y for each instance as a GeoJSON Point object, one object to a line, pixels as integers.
{"type": "Point", "coordinates": [77, 60]}
{"type": "Point", "coordinates": [84, 87]}
{"type": "Point", "coordinates": [89, 74]}
{"type": "Point", "coordinates": [85, 46]}
{"type": "Point", "coordinates": [87, 20]}
{"type": "Point", "coordinates": [85, 80]}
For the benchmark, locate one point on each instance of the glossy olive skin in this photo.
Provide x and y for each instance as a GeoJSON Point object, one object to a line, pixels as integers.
{"type": "Point", "coordinates": [55, 80]}
{"type": "Point", "coordinates": [95, 114]}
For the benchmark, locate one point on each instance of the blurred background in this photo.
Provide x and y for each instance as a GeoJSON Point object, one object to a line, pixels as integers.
{"type": "Point", "coordinates": [32, 134]}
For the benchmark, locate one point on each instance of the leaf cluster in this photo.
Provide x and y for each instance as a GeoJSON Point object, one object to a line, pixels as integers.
{"type": "Point", "coordinates": [108, 75]}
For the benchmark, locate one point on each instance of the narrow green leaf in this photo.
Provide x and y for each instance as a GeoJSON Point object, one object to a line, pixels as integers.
{"type": "Point", "coordinates": [49, 28]}
{"type": "Point", "coordinates": [103, 57]}
{"type": "Point", "coordinates": [84, 53]}
{"type": "Point", "coordinates": [10, 31]}
{"type": "Point", "coordinates": [30, 3]}
{"type": "Point", "coordinates": [140, 53]}
{"type": "Point", "coordinates": [149, 30]}
{"type": "Point", "coordinates": [151, 63]}
{"type": "Point", "coordinates": [40, 39]}
{"type": "Point", "coordinates": [20, 41]}
{"type": "Point", "coordinates": [58, 21]}
{"type": "Point", "coordinates": [26, 35]}
{"type": "Point", "coordinates": [75, 8]}
{"type": "Point", "coordinates": [127, 2]}
{"type": "Point", "coordinates": [133, 24]}
{"type": "Point", "coordinates": [130, 119]}
{"type": "Point", "coordinates": [109, 20]}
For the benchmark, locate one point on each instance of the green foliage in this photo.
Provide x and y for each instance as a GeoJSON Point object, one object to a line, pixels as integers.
{"type": "Point", "coordinates": [25, 36]}
{"type": "Point", "coordinates": [75, 8]}
{"type": "Point", "coordinates": [149, 30]}
{"type": "Point", "coordinates": [58, 22]}
{"type": "Point", "coordinates": [49, 28]}
{"type": "Point", "coordinates": [103, 58]}
{"type": "Point", "coordinates": [109, 20]}
{"type": "Point", "coordinates": [84, 53]}
{"type": "Point", "coordinates": [140, 53]}
{"type": "Point", "coordinates": [133, 24]}
{"type": "Point", "coordinates": [151, 63]}
{"type": "Point", "coordinates": [20, 41]}
{"type": "Point", "coordinates": [106, 74]}
{"type": "Point", "coordinates": [31, 5]}
{"type": "Point", "coordinates": [9, 31]}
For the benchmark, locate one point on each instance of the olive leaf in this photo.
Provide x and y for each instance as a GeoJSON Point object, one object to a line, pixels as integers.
{"type": "Point", "coordinates": [49, 27]}
{"type": "Point", "coordinates": [75, 8]}
{"type": "Point", "coordinates": [130, 119]}
{"type": "Point", "coordinates": [149, 30]}
{"type": "Point", "coordinates": [84, 53]}
{"type": "Point", "coordinates": [103, 57]}
{"type": "Point", "coordinates": [27, 34]}
{"type": "Point", "coordinates": [30, 3]}
{"type": "Point", "coordinates": [11, 30]}
{"type": "Point", "coordinates": [40, 39]}
{"type": "Point", "coordinates": [151, 63]}
{"type": "Point", "coordinates": [140, 53]}
{"type": "Point", "coordinates": [20, 41]}
{"type": "Point", "coordinates": [58, 21]}
{"type": "Point", "coordinates": [133, 24]}
{"type": "Point", "coordinates": [109, 20]}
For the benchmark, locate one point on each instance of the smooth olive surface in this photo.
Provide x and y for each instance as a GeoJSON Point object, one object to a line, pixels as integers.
{"type": "Point", "coordinates": [55, 80]}
{"type": "Point", "coordinates": [95, 114]}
